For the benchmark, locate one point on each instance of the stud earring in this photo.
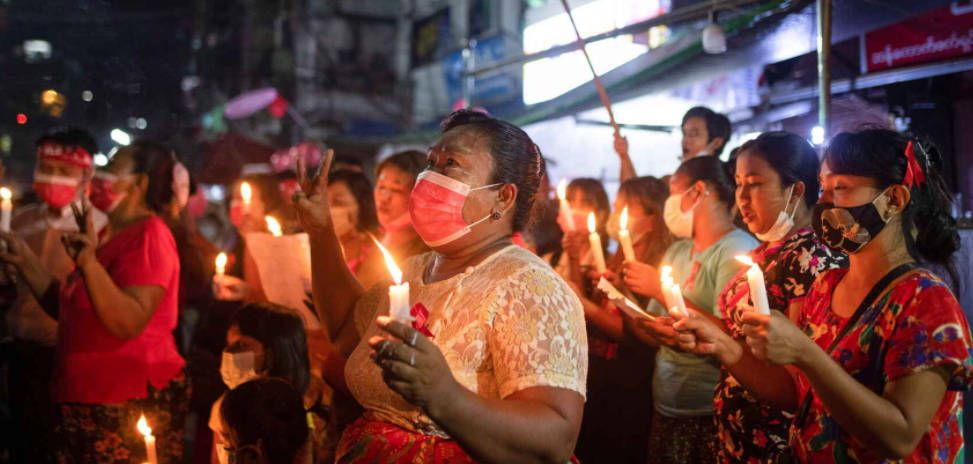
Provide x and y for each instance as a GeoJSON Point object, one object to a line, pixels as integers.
{"type": "Point", "coordinates": [495, 215]}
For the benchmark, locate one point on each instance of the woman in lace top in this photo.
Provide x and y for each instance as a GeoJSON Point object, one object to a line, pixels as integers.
{"type": "Point", "coordinates": [493, 367]}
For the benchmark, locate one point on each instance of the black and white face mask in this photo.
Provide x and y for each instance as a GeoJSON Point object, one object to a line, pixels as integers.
{"type": "Point", "coordinates": [850, 229]}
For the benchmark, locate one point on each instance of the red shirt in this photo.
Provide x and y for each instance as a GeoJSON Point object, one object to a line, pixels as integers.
{"type": "Point", "coordinates": [916, 326]}
{"type": "Point", "coordinates": [94, 366]}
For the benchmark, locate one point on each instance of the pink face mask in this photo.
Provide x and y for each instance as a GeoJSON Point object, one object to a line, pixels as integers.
{"type": "Point", "coordinates": [436, 208]}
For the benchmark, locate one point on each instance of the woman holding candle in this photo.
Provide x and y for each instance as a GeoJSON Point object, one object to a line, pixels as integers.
{"type": "Point", "coordinates": [116, 356]}
{"type": "Point", "coordinates": [777, 186]}
{"type": "Point", "coordinates": [493, 367]}
{"type": "Point", "coordinates": [585, 198]}
{"type": "Point", "coordinates": [620, 386]}
{"type": "Point", "coordinates": [877, 371]}
{"type": "Point", "coordinates": [698, 211]}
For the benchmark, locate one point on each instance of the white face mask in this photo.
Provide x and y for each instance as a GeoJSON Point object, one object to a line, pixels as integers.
{"type": "Point", "coordinates": [237, 368]}
{"type": "Point", "coordinates": [680, 223]}
{"type": "Point", "coordinates": [784, 223]}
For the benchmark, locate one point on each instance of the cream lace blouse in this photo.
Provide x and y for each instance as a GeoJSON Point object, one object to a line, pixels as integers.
{"type": "Point", "coordinates": [505, 325]}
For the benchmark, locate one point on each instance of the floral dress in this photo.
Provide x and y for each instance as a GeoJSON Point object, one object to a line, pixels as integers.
{"type": "Point", "coordinates": [749, 431]}
{"type": "Point", "coordinates": [915, 326]}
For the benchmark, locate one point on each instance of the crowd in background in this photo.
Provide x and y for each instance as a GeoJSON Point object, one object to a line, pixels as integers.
{"type": "Point", "coordinates": [511, 350]}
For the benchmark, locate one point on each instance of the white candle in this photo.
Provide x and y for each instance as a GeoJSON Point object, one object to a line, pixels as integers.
{"type": "Point", "coordinates": [758, 288]}
{"type": "Point", "coordinates": [6, 208]}
{"type": "Point", "coordinates": [624, 238]}
{"type": "Point", "coordinates": [565, 209]}
{"type": "Point", "coordinates": [221, 264]}
{"type": "Point", "coordinates": [146, 431]}
{"type": "Point", "coordinates": [246, 193]}
{"type": "Point", "coordinates": [273, 226]}
{"type": "Point", "coordinates": [595, 241]}
{"type": "Point", "coordinates": [399, 307]}
{"type": "Point", "coordinates": [671, 293]}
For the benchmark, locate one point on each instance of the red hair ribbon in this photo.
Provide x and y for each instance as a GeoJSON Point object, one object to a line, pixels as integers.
{"type": "Point", "coordinates": [913, 172]}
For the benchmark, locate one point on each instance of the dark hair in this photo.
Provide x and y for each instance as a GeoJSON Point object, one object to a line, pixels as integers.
{"type": "Point", "coordinates": [517, 160]}
{"type": "Point", "coordinates": [713, 172]}
{"type": "Point", "coordinates": [361, 189]}
{"type": "Point", "coordinates": [591, 188]}
{"type": "Point", "coordinates": [879, 154]}
{"type": "Point", "coordinates": [270, 412]}
{"type": "Point", "coordinates": [411, 162]}
{"type": "Point", "coordinates": [792, 157]}
{"type": "Point", "coordinates": [717, 125]}
{"type": "Point", "coordinates": [70, 137]}
{"type": "Point", "coordinates": [280, 330]}
{"type": "Point", "coordinates": [157, 162]}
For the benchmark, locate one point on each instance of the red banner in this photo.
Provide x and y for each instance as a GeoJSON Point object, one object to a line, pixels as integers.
{"type": "Point", "coordinates": [934, 36]}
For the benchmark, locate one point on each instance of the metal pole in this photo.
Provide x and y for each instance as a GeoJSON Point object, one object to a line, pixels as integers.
{"type": "Point", "coordinates": [602, 93]}
{"type": "Point", "coordinates": [824, 64]}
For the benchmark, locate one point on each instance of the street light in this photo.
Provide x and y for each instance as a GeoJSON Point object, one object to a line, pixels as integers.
{"type": "Point", "coordinates": [121, 137]}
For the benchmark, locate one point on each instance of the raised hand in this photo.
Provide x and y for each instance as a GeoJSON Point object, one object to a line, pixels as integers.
{"type": "Point", "coordinates": [16, 255]}
{"type": "Point", "coordinates": [311, 201]}
{"type": "Point", "coordinates": [81, 245]}
{"type": "Point", "coordinates": [621, 145]}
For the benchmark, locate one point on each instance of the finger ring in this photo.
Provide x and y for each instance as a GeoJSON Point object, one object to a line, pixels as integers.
{"type": "Point", "coordinates": [381, 351]}
{"type": "Point", "coordinates": [412, 360]}
{"type": "Point", "coordinates": [415, 338]}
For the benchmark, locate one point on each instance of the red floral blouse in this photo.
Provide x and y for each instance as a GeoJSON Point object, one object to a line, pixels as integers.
{"type": "Point", "coordinates": [915, 326]}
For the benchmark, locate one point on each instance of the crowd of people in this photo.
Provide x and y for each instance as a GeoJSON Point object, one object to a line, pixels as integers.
{"type": "Point", "coordinates": [515, 347]}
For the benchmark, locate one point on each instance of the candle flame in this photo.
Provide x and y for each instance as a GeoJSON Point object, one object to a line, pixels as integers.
{"type": "Point", "coordinates": [143, 426]}
{"type": "Point", "coordinates": [562, 190]}
{"type": "Point", "coordinates": [745, 260]}
{"type": "Point", "coordinates": [273, 226]}
{"type": "Point", "coordinates": [623, 220]}
{"type": "Point", "coordinates": [221, 263]}
{"type": "Point", "coordinates": [246, 193]}
{"type": "Point", "coordinates": [666, 272]}
{"type": "Point", "coordinates": [390, 262]}
{"type": "Point", "coordinates": [5, 193]}
{"type": "Point", "coordinates": [591, 223]}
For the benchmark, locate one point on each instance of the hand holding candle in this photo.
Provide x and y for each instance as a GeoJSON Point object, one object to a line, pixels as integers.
{"type": "Point", "coordinates": [758, 288]}
{"type": "Point", "coordinates": [624, 237]}
{"type": "Point", "coordinates": [6, 208]}
{"type": "Point", "coordinates": [399, 307]}
{"type": "Point", "coordinates": [146, 431]}
{"type": "Point", "coordinates": [567, 216]}
{"type": "Point", "coordinates": [221, 261]}
{"type": "Point", "coordinates": [596, 249]}
{"type": "Point", "coordinates": [672, 294]}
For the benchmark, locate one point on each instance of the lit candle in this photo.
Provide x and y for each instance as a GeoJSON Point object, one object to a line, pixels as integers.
{"type": "Point", "coordinates": [399, 308]}
{"type": "Point", "coordinates": [595, 241]}
{"type": "Point", "coordinates": [273, 226]}
{"type": "Point", "coordinates": [624, 238]}
{"type": "Point", "coordinates": [6, 208]}
{"type": "Point", "coordinates": [246, 193]}
{"type": "Point", "coordinates": [566, 215]}
{"type": "Point", "coordinates": [758, 288]}
{"type": "Point", "coordinates": [146, 432]}
{"type": "Point", "coordinates": [221, 264]}
{"type": "Point", "coordinates": [671, 293]}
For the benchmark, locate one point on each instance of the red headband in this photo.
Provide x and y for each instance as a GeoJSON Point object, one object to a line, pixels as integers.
{"type": "Point", "coordinates": [913, 172]}
{"type": "Point", "coordinates": [75, 156]}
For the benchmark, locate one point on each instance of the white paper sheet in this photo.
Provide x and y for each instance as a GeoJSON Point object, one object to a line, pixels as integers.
{"type": "Point", "coordinates": [626, 305]}
{"type": "Point", "coordinates": [284, 265]}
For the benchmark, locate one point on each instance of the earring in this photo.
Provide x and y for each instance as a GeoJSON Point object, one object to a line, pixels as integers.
{"type": "Point", "coordinates": [495, 215]}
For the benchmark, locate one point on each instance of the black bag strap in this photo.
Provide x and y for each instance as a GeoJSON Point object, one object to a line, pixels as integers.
{"type": "Point", "coordinates": [866, 303]}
